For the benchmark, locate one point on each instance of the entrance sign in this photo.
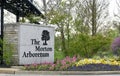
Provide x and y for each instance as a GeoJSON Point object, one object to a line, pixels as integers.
{"type": "Point", "coordinates": [12, 6]}
{"type": "Point", "coordinates": [36, 44]}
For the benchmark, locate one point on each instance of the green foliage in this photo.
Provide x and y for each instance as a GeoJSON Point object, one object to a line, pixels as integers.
{"type": "Point", "coordinates": [59, 52]}
{"type": "Point", "coordinates": [112, 33]}
{"type": "Point", "coordinates": [7, 52]}
{"type": "Point", "coordinates": [59, 55]}
{"type": "Point", "coordinates": [33, 18]}
{"type": "Point", "coordinates": [80, 28]}
{"type": "Point", "coordinates": [105, 55]}
{"type": "Point", "coordinates": [58, 43]}
{"type": "Point", "coordinates": [58, 18]}
{"type": "Point", "coordinates": [87, 46]}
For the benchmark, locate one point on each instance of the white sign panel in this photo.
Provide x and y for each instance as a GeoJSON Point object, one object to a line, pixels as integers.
{"type": "Point", "coordinates": [0, 20]}
{"type": "Point", "coordinates": [36, 44]}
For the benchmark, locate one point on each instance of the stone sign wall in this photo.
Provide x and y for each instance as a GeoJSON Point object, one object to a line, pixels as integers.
{"type": "Point", "coordinates": [33, 43]}
{"type": "Point", "coordinates": [36, 44]}
{"type": "Point", "coordinates": [11, 35]}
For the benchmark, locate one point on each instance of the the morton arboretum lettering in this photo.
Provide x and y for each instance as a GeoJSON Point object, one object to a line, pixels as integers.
{"type": "Point", "coordinates": [37, 47]}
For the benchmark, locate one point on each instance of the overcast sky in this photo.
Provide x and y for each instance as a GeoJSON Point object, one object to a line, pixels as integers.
{"type": "Point", "coordinates": [112, 6]}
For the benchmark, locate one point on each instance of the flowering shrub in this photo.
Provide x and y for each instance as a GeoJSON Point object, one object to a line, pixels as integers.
{"type": "Point", "coordinates": [59, 65]}
{"type": "Point", "coordinates": [116, 46]}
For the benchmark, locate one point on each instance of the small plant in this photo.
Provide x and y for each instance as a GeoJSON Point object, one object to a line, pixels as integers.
{"type": "Point", "coordinates": [59, 55]}
{"type": "Point", "coordinates": [7, 51]}
{"type": "Point", "coordinates": [97, 61]}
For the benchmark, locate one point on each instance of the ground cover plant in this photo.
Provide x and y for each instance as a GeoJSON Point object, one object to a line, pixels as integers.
{"type": "Point", "coordinates": [96, 65]}
{"type": "Point", "coordinates": [73, 64]}
{"type": "Point", "coordinates": [58, 65]}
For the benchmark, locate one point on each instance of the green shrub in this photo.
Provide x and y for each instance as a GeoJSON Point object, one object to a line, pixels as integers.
{"type": "Point", "coordinates": [59, 55]}
{"type": "Point", "coordinates": [58, 43]}
{"type": "Point", "coordinates": [87, 46]}
{"type": "Point", "coordinates": [7, 52]}
{"type": "Point", "coordinates": [105, 55]}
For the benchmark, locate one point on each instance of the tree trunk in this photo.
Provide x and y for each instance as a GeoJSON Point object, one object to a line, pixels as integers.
{"type": "Point", "coordinates": [63, 39]}
{"type": "Point", "coordinates": [68, 35]}
{"type": "Point", "coordinates": [94, 18]}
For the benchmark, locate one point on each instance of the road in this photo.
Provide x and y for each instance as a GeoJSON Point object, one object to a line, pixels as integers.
{"type": "Point", "coordinates": [53, 75]}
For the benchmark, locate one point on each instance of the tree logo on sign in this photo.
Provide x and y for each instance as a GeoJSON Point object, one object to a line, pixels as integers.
{"type": "Point", "coordinates": [45, 36]}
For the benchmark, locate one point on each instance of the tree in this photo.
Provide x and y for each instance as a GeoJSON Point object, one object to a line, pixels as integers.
{"type": "Point", "coordinates": [60, 14]}
{"type": "Point", "coordinates": [118, 8]}
{"type": "Point", "coordinates": [45, 36]}
{"type": "Point", "coordinates": [92, 14]}
{"type": "Point", "coordinates": [69, 6]}
{"type": "Point", "coordinates": [117, 26]}
{"type": "Point", "coordinates": [58, 19]}
{"type": "Point", "coordinates": [57, 16]}
{"type": "Point", "coordinates": [116, 22]}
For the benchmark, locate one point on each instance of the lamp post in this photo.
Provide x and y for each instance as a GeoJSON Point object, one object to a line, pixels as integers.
{"type": "Point", "coordinates": [1, 28]}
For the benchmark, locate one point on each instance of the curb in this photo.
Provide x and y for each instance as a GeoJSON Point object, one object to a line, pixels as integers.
{"type": "Point", "coordinates": [68, 72]}
{"type": "Point", "coordinates": [18, 71]}
{"type": "Point", "coordinates": [8, 70]}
